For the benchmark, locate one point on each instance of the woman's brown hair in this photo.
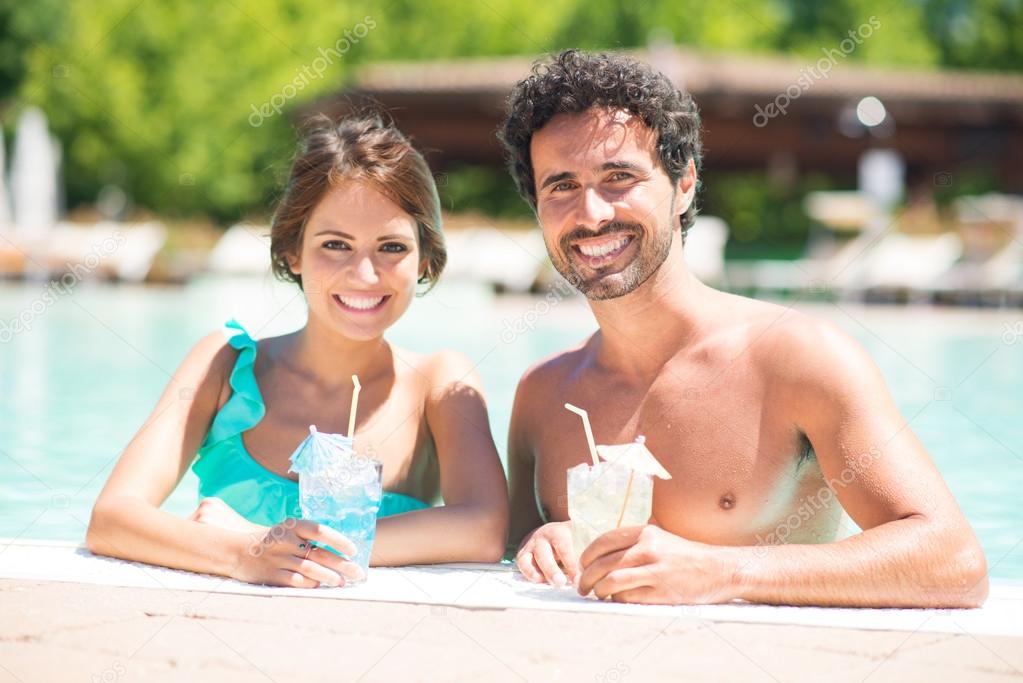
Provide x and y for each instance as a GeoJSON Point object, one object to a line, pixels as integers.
{"type": "Point", "coordinates": [362, 148]}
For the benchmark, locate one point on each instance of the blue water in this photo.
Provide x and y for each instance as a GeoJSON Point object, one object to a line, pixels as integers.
{"type": "Point", "coordinates": [78, 383]}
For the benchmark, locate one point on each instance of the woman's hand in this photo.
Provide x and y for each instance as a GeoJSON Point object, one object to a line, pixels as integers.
{"type": "Point", "coordinates": [215, 512]}
{"type": "Point", "coordinates": [547, 555]}
{"type": "Point", "coordinates": [283, 555]}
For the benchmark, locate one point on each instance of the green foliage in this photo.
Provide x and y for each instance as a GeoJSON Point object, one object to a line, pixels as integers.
{"type": "Point", "coordinates": [22, 24]}
{"type": "Point", "coordinates": [439, 29]}
{"type": "Point", "coordinates": [758, 212]}
{"type": "Point", "coordinates": [986, 34]}
{"type": "Point", "coordinates": [161, 97]}
{"type": "Point", "coordinates": [481, 188]}
{"type": "Point", "coordinates": [746, 26]}
{"type": "Point", "coordinates": [968, 181]}
{"type": "Point", "coordinates": [890, 33]}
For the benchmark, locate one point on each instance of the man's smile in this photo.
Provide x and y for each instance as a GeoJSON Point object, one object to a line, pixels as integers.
{"type": "Point", "coordinates": [603, 250]}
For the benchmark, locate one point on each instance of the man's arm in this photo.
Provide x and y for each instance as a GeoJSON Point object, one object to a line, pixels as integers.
{"type": "Point", "coordinates": [916, 548]}
{"type": "Point", "coordinates": [544, 554]}
{"type": "Point", "coordinates": [524, 516]}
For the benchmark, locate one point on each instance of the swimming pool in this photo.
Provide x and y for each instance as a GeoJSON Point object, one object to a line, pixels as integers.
{"type": "Point", "coordinates": [78, 382]}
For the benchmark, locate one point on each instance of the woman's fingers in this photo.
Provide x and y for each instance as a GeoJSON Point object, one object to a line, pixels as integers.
{"type": "Point", "coordinates": [321, 533]}
{"type": "Point", "coordinates": [349, 570]}
{"type": "Point", "coordinates": [293, 552]}
{"type": "Point", "coordinates": [293, 579]}
{"type": "Point", "coordinates": [314, 570]}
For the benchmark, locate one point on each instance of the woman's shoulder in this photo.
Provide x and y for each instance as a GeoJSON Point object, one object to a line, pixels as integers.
{"type": "Point", "coordinates": [213, 354]}
{"type": "Point", "coordinates": [216, 357]}
{"type": "Point", "coordinates": [233, 341]}
{"type": "Point", "coordinates": [439, 370]}
{"type": "Point", "coordinates": [448, 365]}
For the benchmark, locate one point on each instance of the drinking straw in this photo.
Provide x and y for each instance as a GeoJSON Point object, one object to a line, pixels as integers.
{"type": "Point", "coordinates": [589, 432]}
{"type": "Point", "coordinates": [628, 487]}
{"type": "Point", "coordinates": [625, 502]}
{"type": "Point", "coordinates": [355, 407]}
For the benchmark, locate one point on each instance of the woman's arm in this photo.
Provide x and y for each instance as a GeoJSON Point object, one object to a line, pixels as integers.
{"type": "Point", "coordinates": [471, 525]}
{"type": "Point", "coordinates": [127, 521]}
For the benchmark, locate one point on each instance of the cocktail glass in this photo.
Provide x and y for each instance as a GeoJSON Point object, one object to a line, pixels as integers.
{"type": "Point", "coordinates": [341, 489]}
{"type": "Point", "coordinates": [606, 496]}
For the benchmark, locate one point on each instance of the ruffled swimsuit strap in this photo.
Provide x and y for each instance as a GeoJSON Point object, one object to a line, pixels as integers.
{"type": "Point", "coordinates": [245, 408]}
{"type": "Point", "coordinates": [226, 470]}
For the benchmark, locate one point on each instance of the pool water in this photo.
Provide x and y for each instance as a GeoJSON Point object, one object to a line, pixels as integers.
{"type": "Point", "coordinates": [84, 370]}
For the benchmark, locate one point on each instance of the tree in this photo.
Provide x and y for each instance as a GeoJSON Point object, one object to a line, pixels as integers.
{"type": "Point", "coordinates": [164, 99]}
{"type": "Point", "coordinates": [190, 106]}
{"type": "Point", "coordinates": [984, 34]}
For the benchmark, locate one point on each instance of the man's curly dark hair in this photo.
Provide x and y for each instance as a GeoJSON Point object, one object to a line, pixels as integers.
{"type": "Point", "coordinates": [574, 81]}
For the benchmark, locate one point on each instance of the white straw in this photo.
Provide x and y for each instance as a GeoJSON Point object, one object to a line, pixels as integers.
{"type": "Point", "coordinates": [355, 407]}
{"type": "Point", "coordinates": [586, 426]}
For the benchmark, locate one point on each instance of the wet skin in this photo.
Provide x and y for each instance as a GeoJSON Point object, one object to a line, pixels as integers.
{"type": "Point", "coordinates": [770, 422]}
{"type": "Point", "coordinates": [739, 466]}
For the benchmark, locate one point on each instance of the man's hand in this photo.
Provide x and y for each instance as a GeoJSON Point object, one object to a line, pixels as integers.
{"type": "Point", "coordinates": [647, 564]}
{"type": "Point", "coordinates": [546, 555]}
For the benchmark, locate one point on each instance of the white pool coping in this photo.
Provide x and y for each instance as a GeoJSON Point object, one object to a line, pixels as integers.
{"type": "Point", "coordinates": [499, 586]}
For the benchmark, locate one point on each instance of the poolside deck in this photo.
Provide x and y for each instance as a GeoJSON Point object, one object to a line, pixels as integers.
{"type": "Point", "coordinates": [54, 631]}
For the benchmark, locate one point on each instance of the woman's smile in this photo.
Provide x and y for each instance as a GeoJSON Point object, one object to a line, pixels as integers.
{"type": "Point", "coordinates": [362, 303]}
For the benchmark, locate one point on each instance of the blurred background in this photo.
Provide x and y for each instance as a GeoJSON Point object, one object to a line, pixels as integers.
{"type": "Point", "coordinates": [828, 127]}
{"type": "Point", "coordinates": [862, 162]}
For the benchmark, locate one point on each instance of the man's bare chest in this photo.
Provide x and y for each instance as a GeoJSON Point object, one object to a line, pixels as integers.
{"type": "Point", "coordinates": [735, 461]}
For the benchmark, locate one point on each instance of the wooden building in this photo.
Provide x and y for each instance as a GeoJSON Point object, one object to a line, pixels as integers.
{"type": "Point", "coordinates": [940, 122]}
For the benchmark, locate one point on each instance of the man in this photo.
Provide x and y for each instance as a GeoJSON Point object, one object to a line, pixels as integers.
{"type": "Point", "coordinates": [769, 421]}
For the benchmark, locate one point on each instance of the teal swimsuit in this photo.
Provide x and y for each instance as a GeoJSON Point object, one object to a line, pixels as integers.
{"type": "Point", "coordinates": [227, 471]}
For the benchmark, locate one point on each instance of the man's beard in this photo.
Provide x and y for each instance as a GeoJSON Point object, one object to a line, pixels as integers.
{"type": "Point", "coordinates": [652, 251]}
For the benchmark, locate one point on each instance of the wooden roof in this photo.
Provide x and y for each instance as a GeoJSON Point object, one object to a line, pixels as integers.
{"type": "Point", "coordinates": [759, 77]}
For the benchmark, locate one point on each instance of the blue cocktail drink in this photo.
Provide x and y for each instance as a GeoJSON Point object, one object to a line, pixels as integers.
{"type": "Point", "coordinates": [340, 489]}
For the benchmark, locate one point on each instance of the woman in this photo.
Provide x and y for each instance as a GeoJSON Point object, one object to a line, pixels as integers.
{"type": "Point", "coordinates": [357, 229]}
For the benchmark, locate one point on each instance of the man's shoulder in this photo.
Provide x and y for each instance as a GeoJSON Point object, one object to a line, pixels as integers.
{"type": "Point", "coordinates": [795, 346]}
{"type": "Point", "coordinates": [553, 369]}
{"type": "Point", "coordinates": [541, 381]}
